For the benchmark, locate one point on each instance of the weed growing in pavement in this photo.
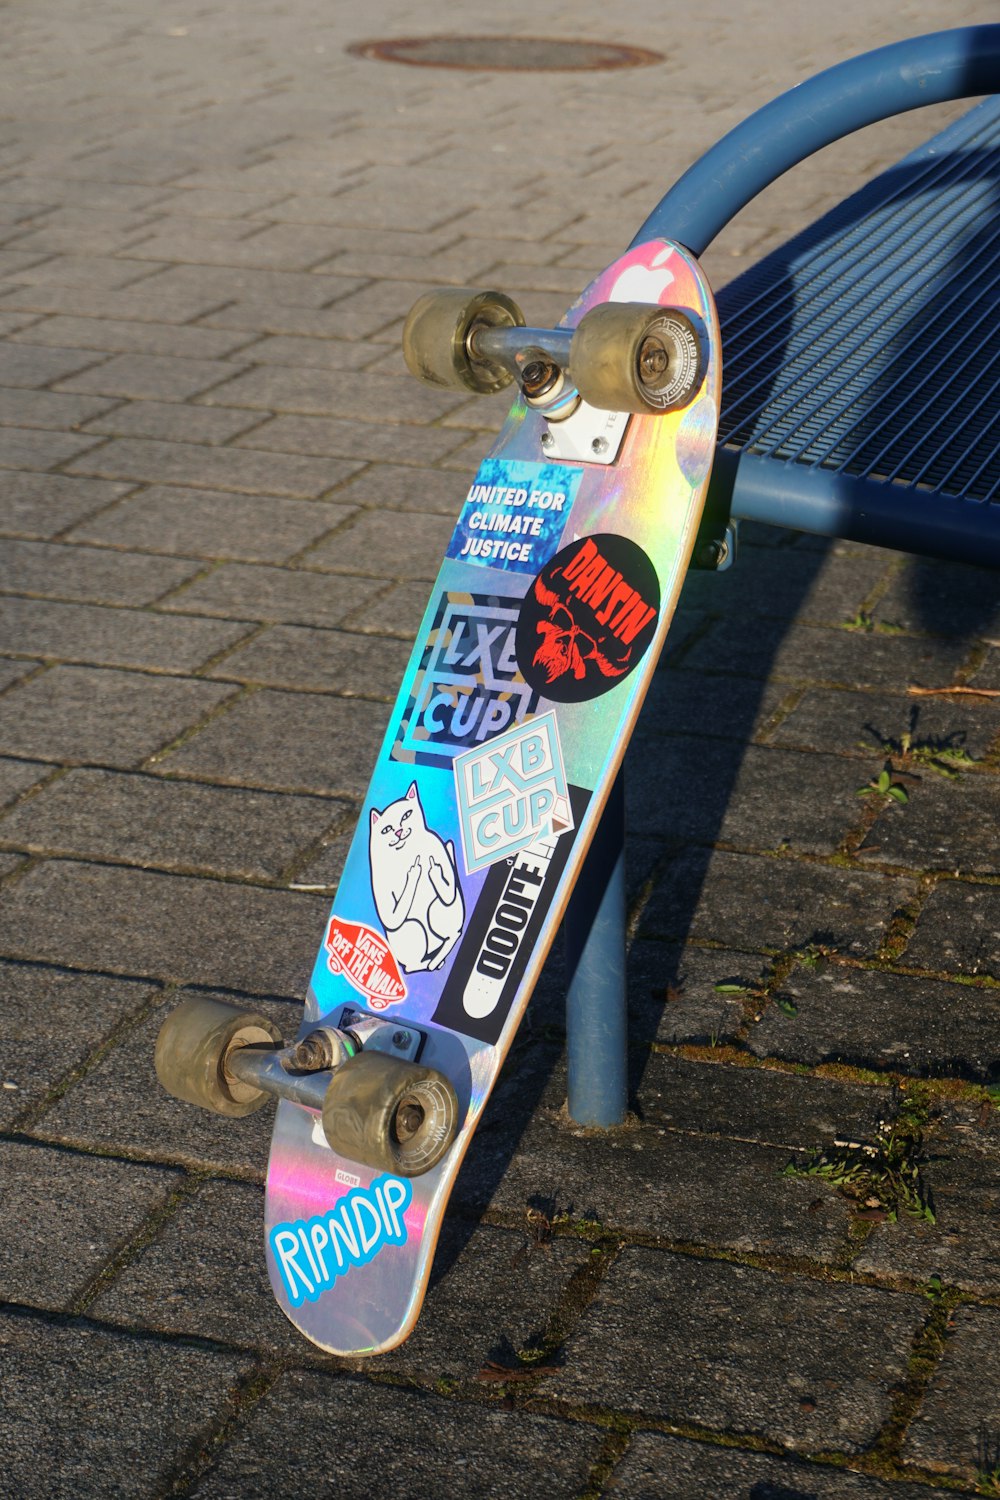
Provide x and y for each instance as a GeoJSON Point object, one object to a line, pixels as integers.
{"type": "Point", "coordinates": [881, 1180]}
{"type": "Point", "coordinates": [944, 754]}
{"type": "Point", "coordinates": [884, 786]}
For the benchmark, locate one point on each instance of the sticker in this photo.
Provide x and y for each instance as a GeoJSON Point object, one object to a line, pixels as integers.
{"type": "Point", "coordinates": [363, 956]}
{"type": "Point", "coordinates": [415, 884]}
{"type": "Point", "coordinates": [311, 1254]}
{"type": "Point", "coordinates": [502, 933]}
{"type": "Point", "coordinates": [514, 514]}
{"type": "Point", "coordinates": [512, 792]}
{"type": "Point", "coordinates": [468, 686]}
{"type": "Point", "coordinates": [588, 618]}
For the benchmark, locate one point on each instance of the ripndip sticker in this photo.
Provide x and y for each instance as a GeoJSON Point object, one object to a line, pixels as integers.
{"type": "Point", "coordinates": [512, 792]}
{"type": "Point", "coordinates": [514, 514]}
{"type": "Point", "coordinates": [311, 1254]}
{"type": "Point", "coordinates": [415, 884]}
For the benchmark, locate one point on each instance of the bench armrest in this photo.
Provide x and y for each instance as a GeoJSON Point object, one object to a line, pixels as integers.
{"type": "Point", "coordinates": [959, 64]}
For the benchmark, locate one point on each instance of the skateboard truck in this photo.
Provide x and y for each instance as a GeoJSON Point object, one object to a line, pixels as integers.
{"type": "Point", "coordinates": [621, 356]}
{"type": "Point", "coordinates": [378, 1106]}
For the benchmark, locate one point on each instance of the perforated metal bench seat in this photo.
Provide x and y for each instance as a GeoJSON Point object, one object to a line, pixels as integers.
{"type": "Point", "coordinates": [861, 360]}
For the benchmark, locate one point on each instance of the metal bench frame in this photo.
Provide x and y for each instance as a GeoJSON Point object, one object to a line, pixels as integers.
{"type": "Point", "coordinates": [934, 69]}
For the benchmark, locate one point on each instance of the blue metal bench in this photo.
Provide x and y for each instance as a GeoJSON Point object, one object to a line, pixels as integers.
{"type": "Point", "coordinates": [861, 390]}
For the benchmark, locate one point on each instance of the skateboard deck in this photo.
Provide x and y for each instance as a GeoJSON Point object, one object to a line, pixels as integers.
{"type": "Point", "coordinates": [528, 671]}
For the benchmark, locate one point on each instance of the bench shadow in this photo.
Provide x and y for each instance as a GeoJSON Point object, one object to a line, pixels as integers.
{"type": "Point", "coordinates": [760, 336]}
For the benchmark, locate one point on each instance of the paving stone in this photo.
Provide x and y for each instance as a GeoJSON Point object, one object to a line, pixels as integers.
{"type": "Point", "coordinates": [205, 1276]}
{"type": "Point", "coordinates": [957, 1429]}
{"type": "Point", "coordinates": [828, 1382]}
{"type": "Point", "coordinates": [941, 599]}
{"type": "Point", "coordinates": [25, 449]}
{"type": "Point", "coordinates": [333, 393]}
{"type": "Point", "coordinates": [150, 377]}
{"type": "Point", "coordinates": [958, 931]}
{"type": "Point", "coordinates": [686, 787]}
{"type": "Point", "coordinates": [174, 422]}
{"type": "Point", "coordinates": [321, 354]}
{"type": "Point", "coordinates": [686, 1189]}
{"type": "Point", "coordinates": [118, 336]}
{"type": "Point", "coordinates": [20, 408]}
{"type": "Point", "coordinates": [88, 574]}
{"type": "Point", "coordinates": [114, 637]}
{"type": "Point", "coordinates": [263, 315]}
{"type": "Point", "coordinates": [288, 742]}
{"type": "Point", "coordinates": [16, 776]}
{"type": "Point", "coordinates": [393, 543]}
{"type": "Point", "coordinates": [705, 896]}
{"type": "Point", "coordinates": [682, 703]}
{"type": "Point", "coordinates": [796, 653]}
{"type": "Point", "coordinates": [320, 435]}
{"type": "Point", "coordinates": [320, 660]}
{"type": "Point", "coordinates": [43, 505]}
{"type": "Point", "coordinates": [139, 1409]}
{"type": "Point", "coordinates": [674, 995]}
{"type": "Point", "coordinates": [34, 367]}
{"type": "Point", "coordinates": [230, 283]}
{"type": "Point", "coordinates": [52, 1019]}
{"type": "Point", "coordinates": [411, 489]}
{"type": "Point", "coordinates": [279, 247]}
{"type": "Point", "coordinates": [207, 523]}
{"type": "Point", "coordinates": [987, 674]}
{"type": "Point", "coordinates": [92, 272]}
{"type": "Point", "coordinates": [946, 825]}
{"type": "Point", "coordinates": [295, 597]}
{"type": "Point", "coordinates": [960, 1174]}
{"type": "Point", "coordinates": [398, 611]}
{"type": "Point", "coordinates": [760, 1105]}
{"type": "Point", "coordinates": [512, 1457]}
{"type": "Point", "coordinates": [75, 714]}
{"type": "Point", "coordinates": [656, 1467]}
{"type": "Point", "coordinates": [826, 588]}
{"type": "Point", "coordinates": [139, 304]}
{"type": "Point", "coordinates": [50, 1261]}
{"type": "Point", "coordinates": [118, 1106]}
{"type": "Point", "coordinates": [169, 825]}
{"type": "Point", "coordinates": [166, 926]}
{"type": "Point", "coordinates": [892, 1022]}
{"type": "Point", "coordinates": [860, 723]}
{"type": "Point", "coordinates": [191, 464]}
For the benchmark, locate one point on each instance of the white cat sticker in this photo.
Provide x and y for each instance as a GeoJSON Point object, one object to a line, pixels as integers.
{"type": "Point", "coordinates": [415, 884]}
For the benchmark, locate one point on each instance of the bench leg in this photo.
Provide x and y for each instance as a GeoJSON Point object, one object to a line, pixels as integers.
{"type": "Point", "coordinates": [596, 1018]}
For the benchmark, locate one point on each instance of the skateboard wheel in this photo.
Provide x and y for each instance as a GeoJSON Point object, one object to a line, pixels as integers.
{"type": "Point", "coordinates": [191, 1051]}
{"type": "Point", "coordinates": [437, 338]}
{"type": "Point", "coordinates": [389, 1114]}
{"type": "Point", "coordinates": [627, 356]}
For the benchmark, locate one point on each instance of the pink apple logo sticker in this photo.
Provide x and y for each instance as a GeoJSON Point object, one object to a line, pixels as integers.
{"type": "Point", "coordinates": [641, 283]}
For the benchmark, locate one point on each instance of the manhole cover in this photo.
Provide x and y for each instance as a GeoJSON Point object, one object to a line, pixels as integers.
{"type": "Point", "coordinates": [506, 54]}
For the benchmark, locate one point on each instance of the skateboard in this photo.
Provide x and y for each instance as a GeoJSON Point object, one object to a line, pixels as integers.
{"type": "Point", "coordinates": [529, 668]}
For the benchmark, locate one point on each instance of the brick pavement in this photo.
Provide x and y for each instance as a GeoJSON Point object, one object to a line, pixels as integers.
{"type": "Point", "coordinates": [225, 499]}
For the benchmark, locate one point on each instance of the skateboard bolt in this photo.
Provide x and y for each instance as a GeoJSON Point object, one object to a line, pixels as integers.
{"type": "Point", "coordinates": [311, 1054]}
{"type": "Point", "coordinates": [401, 1039]}
{"type": "Point", "coordinates": [600, 445]}
{"type": "Point", "coordinates": [409, 1118]}
{"type": "Point", "coordinates": [538, 378]}
{"type": "Point", "coordinates": [653, 360]}
{"type": "Point", "coordinates": [547, 439]}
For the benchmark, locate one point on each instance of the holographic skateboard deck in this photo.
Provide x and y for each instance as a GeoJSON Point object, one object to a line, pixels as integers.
{"type": "Point", "coordinates": [529, 668]}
